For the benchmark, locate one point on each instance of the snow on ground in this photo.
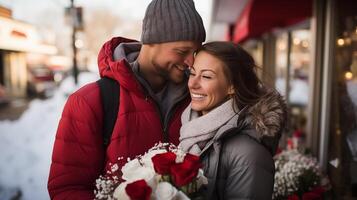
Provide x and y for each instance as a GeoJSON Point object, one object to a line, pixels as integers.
{"type": "Point", "coordinates": [26, 144]}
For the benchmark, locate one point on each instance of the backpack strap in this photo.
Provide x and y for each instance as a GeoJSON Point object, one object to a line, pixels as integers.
{"type": "Point", "coordinates": [109, 92]}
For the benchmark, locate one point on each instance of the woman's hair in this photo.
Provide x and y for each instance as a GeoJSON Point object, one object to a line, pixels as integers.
{"type": "Point", "coordinates": [240, 71]}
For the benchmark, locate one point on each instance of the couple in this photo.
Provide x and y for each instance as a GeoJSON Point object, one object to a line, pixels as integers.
{"type": "Point", "coordinates": [223, 113]}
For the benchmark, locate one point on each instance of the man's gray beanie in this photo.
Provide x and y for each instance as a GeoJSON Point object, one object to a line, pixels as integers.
{"type": "Point", "coordinates": [172, 20]}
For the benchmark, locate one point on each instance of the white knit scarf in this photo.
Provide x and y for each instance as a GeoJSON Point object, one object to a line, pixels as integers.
{"type": "Point", "coordinates": [197, 130]}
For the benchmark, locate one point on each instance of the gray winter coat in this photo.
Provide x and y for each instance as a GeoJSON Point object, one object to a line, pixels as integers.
{"type": "Point", "coordinates": [238, 162]}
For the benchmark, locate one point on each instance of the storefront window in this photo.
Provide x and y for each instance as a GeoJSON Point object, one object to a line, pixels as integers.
{"type": "Point", "coordinates": [255, 48]}
{"type": "Point", "coordinates": [2, 82]}
{"type": "Point", "coordinates": [342, 153]}
{"type": "Point", "coordinates": [292, 67]}
{"type": "Point", "coordinates": [281, 62]}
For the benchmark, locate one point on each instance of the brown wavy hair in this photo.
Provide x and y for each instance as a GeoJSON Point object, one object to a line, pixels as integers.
{"type": "Point", "coordinates": [240, 71]}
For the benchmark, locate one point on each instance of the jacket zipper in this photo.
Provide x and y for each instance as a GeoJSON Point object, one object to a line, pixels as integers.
{"type": "Point", "coordinates": [157, 107]}
{"type": "Point", "coordinates": [169, 116]}
{"type": "Point", "coordinates": [164, 126]}
{"type": "Point", "coordinates": [166, 134]}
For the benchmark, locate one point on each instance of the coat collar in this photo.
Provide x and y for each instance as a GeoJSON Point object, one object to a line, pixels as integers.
{"type": "Point", "coordinates": [263, 121]}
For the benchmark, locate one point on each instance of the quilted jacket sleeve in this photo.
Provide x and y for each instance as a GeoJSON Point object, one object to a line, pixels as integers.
{"type": "Point", "coordinates": [250, 170]}
{"type": "Point", "coordinates": [78, 154]}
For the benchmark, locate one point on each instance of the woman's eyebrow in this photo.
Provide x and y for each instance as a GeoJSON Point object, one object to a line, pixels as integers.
{"type": "Point", "coordinates": [209, 70]}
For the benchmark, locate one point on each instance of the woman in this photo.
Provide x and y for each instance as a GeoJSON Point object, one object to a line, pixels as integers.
{"type": "Point", "coordinates": [233, 122]}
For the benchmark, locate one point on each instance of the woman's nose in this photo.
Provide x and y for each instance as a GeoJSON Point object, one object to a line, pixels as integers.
{"type": "Point", "coordinates": [193, 82]}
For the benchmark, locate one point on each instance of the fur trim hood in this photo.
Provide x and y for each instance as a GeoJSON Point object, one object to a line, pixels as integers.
{"type": "Point", "coordinates": [268, 116]}
{"type": "Point", "coordinates": [265, 121]}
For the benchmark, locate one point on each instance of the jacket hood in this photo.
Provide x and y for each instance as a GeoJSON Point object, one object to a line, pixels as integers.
{"type": "Point", "coordinates": [114, 58]}
{"type": "Point", "coordinates": [268, 116]}
{"type": "Point", "coordinates": [265, 121]}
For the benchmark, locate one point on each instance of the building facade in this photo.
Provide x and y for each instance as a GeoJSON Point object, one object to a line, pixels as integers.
{"type": "Point", "coordinates": [17, 39]}
{"type": "Point", "coordinates": [307, 49]}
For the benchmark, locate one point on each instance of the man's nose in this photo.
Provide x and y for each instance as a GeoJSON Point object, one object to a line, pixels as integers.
{"type": "Point", "coordinates": [189, 60]}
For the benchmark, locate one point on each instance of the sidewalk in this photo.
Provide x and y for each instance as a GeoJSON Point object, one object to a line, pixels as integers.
{"type": "Point", "coordinates": [14, 109]}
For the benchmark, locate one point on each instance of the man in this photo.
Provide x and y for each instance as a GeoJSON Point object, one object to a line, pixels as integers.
{"type": "Point", "coordinates": [153, 94]}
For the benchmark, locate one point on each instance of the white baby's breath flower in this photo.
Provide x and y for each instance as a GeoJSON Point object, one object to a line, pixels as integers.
{"type": "Point", "coordinates": [104, 187]}
{"type": "Point", "coordinates": [114, 168]}
{"type": "Point", "coordinates": [290, 166]}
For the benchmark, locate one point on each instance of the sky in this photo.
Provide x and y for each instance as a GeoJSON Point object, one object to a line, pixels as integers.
{"type": "Point", "coordinates": [25, 10]}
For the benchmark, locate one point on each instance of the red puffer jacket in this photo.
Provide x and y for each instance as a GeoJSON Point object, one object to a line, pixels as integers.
{"type": "Point", "coordinates": [78, 154]}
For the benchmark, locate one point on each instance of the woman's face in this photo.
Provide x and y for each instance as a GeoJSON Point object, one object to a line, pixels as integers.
{"type": "Point", "coordinates": [208, 84]}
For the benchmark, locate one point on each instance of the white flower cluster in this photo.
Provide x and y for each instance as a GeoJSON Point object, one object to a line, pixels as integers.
{"type": "Point", "coordinates": [142, 168]}
{"type": "Point", "coordinates": [105, 188]}
{"type": "Point", "coordinates": [290, 167]}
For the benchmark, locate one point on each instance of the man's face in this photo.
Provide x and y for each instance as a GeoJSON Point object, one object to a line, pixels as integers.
{"type": "Point", "coordinates": [171, 59]}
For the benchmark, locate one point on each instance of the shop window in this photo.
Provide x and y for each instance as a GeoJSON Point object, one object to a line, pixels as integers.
{"type": "Point", "coordinates": [255, 48]}
{"type": "Point", "coordinates": [2, 82]}
{"type": "Point", "coordinates": [293, 59]}
{"type": "Point", "coordinates": [342, 152]}
{"type": "Point", "coordinates": [281, 63]}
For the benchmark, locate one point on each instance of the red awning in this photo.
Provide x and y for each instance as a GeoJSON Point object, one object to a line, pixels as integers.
{"type": "Point", "coordinates": [260, 16]}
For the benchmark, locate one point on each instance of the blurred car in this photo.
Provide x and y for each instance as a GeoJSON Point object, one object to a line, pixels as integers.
{"type": "Point", "coordinates": [41, 82]}
{"type": "Point", "coordinates": [58, 73]}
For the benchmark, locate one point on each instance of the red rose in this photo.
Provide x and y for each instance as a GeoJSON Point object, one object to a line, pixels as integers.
{"type": "Point", "coordinates": [163, 162]}
{"type": "Point", "coordinates": [314, 194]}
{"type": "Point", "coordinates": [138, 190]}
{"type": "Point", "coordinates": [318, 190]}
{"type": "Point", "coordinates": [298, 133]}
{"type": "Point", "coordinates": [278, 151]}
{"type": "Point", "coordinates": [293, 197]}
{"type": "Point", "coordinates": [183, 173]}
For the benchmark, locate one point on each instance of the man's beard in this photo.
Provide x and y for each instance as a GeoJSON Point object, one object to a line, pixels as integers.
{"type": "Point", "coordinates": [162, 71]}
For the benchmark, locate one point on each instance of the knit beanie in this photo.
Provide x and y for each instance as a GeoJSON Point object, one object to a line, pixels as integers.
{"type": "Point", "coordinates": [172, 20]}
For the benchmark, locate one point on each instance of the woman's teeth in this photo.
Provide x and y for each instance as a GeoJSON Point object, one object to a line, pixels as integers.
{"type": "Point", "coordinates": [197, 95]}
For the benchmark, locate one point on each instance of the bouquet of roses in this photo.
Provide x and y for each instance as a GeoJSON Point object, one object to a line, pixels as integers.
{"type": "Point", "coordinates": [298, 176]}
{"type": "Point", "coordinates": [164, 172]}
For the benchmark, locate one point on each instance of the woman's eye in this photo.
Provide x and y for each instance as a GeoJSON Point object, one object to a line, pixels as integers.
{"type": "Point", "coordinates": [206, 77]}
{"type": "Point", "coordinates": [192, 74]}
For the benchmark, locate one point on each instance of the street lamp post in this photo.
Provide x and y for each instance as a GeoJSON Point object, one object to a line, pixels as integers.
{"type": "Point", "coordinates": [74, 48]}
